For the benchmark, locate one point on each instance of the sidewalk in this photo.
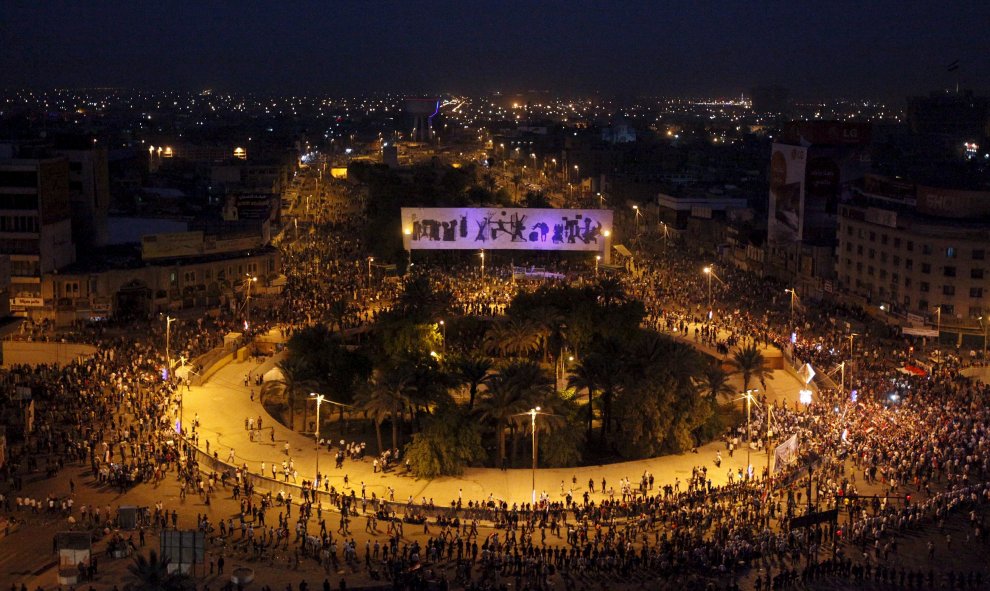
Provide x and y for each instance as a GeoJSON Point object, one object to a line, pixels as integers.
{"type": "Point", "coordinates": [224, 402]}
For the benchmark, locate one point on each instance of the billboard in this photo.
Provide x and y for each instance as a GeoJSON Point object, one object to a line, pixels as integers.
{"type": "Point", "coordinates": [508, 228]}
{"type": "Point", "coordinates": [787, 174]}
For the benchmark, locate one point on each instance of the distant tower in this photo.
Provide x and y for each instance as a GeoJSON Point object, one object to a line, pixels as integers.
{"type": "Point", "coordinates": [422, 112]}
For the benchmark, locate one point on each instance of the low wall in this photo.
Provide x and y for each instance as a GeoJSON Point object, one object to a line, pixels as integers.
{"type": "Point", "coordinates": [40, 352]}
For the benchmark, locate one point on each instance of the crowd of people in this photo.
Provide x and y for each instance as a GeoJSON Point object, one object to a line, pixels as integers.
{"type": "Point", "coordinates": [901, 455]}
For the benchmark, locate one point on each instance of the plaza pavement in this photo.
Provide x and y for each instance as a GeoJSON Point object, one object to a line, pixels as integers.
{"type": "Point", "coordinates": [223, 403]}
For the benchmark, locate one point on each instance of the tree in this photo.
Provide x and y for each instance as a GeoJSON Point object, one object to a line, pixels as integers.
{"type": "Point", "coordinates": [473, 371]}
{"type": "Point", "coordinates": [449, 442]}
{"type": "Point", "coordinates": [750, 363]}
{"type": "Point", "coordinates": [152, 574]}
{"type": "Point", "coordinates": [387, 394]}
{"type": "Point", "coordinates": [514, 337]}
{"type": "Point", "coordinates": [509, 393]}
{"type": "Point", "coordinates": [715, 382]}
{"type": "Point", "coordinates": [294, 384]}
{"type": "Point", "coordinates": [584, 376]}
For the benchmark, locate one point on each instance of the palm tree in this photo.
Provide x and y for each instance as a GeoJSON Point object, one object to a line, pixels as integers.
{"type": "Point", "coordinates": [715, 382]}
{"type": "Point", "coordinates": [514, 338]}
{"type": "Point", "coordinates": [750, 363]}
{"type": "Point", "coordinates": [473, 371]}
{"type": "Point", "coordinates": [292, 386]}
{"type": "Point", "coordinates": [509, 393]}
{"type": "Point", "coordinates": [609, 291]}
{"type": "Point", "coordinates": [387, 394]}
{"type": "Point", "coordinates": [152, 574]}
{"type": "Point", "coordinates": [584, 376]}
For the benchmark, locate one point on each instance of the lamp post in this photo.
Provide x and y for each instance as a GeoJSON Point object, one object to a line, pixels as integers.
{"type": "Point", "coordinates": [247, 302]}
{"type": "Point", "coordinates": [638, 213]}
{"type": "Point", "coordinates": [370, 260]}
{"type": "Point", "coordinates": [938, 325]}
{"type": "Point", "coordinates": [708, 272]}
{"type": "Point", "coordinates": [601, 200]}
{"type": "Point", "coordinates": [793, 295]}
{"type": "Point", "coordinates": [320, 399]}
{"type": "Point", "coordinates": [532, 414]}
{"type": "Point", "coordinates": [407, 232]}
{"type": "Point", "coordinates": [749, 400]}
{"type": "Point", "coordinates": [482, 255]}
{"type": "Point", "coordinates": [443, 329]}
{"type": "Point", "coordinates": [984, 326]}
{"type": "Point", "coordinates": [598, 258]}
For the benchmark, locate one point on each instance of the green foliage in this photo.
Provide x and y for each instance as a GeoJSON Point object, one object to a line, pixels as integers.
{"type": "Point", "coordinates": [151, 574]}
{"type": "Point", "coordinates": [448, 443]}
{"type": "Point", "coordinates": [536, 199]}
{"type": "Point", "coordinates": [749, 362]}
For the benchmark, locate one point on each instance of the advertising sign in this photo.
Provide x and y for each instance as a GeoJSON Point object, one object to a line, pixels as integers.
{"type": "Point", "coordinates": [28, 302]}
{"type": "Point", "coordinates": [508, 228]}
{"type": "Point", "coordinates": [787, 174]}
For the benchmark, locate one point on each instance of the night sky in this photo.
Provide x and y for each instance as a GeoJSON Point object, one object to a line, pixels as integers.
{"type": "Point", "coordinates": [881, 49]}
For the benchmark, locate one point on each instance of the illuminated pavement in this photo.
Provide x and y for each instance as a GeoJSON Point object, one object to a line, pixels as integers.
{"type": "Point", "coordinates": [224, 402]}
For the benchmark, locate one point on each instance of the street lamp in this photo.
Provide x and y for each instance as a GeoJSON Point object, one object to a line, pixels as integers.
{"type": "Point", "coordinates": [443, 328]}
{"type": "Point", "coordinates": [370, 260]}
{"type": "Point", "coordinates": [749, 400]}
{"type": "Point", "coordinates": [984, 326]}
{"type": "Point", "coordinates": [320, 399]}
{"type": "Point", "coordinates": [638, 213]}
{"type": "Point", "coordinates": [532, 414]}
{"type": "Point", "coordinates": [938, 326]}
{"type": "Point", "coordinates": [708, 272]}
{"type": "Point", "coordinates": [482, 255]}
{"type": "Point", "coordinates": [598, 258]}
{"type": "Point", "coordinates": [408, 234]}
{"type": "Point", "coordinates": [601, 201]}
{"type": "Point", "coordinates": [247, 303]}
{"type": "Point", "coordinates": [793, 295]}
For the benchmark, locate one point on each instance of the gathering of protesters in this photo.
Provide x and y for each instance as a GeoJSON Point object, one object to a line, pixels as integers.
{"type": "Point", "coordinates": [899, 457]}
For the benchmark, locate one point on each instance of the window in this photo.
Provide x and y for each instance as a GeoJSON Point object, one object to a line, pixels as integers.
{"type": "Point", "coordinates": [910, 245]}
{"type": "Point", "coordinates": [926, 268]}
{"type": "Point", "coordinates": [976, 273]}
{"type": "Point", "coordinates": [883, 239]}
{"type": "Point", "coordinates": [926, 249]}
{"type": "Point", "coordinates": [897, 242]}
{"type": "Point", "coordinates": [869, 270]}
{"type": "Point", "coordinates": [897, 260]}
{"type": "Point", "coordinates": [172, 278]}
{"type": "Point", "coordinates": [948, 290]}
{"type": "Point", "coordinates": [859, 249]}
{"type": "Point", "coordinates": [907, 282]}
{"type": "Point", "coordinates": [849, 230]}
{"type": "Point", "coordinates": [924, 287]}
{"type": "Point", "coordinates": [978, 254]}
{"type": "Point", "coordinates": [923, 305]}
{"type": "Point", "coordinates": [976, 292]}
{"type": "Point", "coordinates": [908, 264]}
{"type": "Point", "coordinates": [873, 254]}
{"type": "Point", "coordinates": [950, 252]}
{"type": "Point", "coordinates": [859, 267]}
{"type": "Point", "coordinates": [883, 257]}
{"type": "Point", "coordinates": [975, 311]}
{"type": "Point", "coordinates": [895, 278]}
{"type": "Point", "coordinates": [849, 247]}
{"type": "Point", "coordinates": [883, 274]}
{"type": "Point", "coordinates": [949, 271]}
{"type": "Point", "coordinates": [873, 236]}
{"type": "Point", "coordinates": [948, 309]}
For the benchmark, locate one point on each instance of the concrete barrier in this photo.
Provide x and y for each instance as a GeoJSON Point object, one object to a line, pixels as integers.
{"type": "Point", "coordinates": [41, 352]}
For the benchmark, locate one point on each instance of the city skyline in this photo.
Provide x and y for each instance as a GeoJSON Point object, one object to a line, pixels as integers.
{"type": "Point", "coordinates": [884, 50]}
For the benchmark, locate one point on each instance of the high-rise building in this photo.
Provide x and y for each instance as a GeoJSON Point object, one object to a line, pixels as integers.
{"type": "Point", "coordinates": [35, 224]}
{"type": "Point", "coordinates": [89, 194]}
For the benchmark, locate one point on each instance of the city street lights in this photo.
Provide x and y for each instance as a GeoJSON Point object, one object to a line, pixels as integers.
{"type": "Point", "coordinates": [638, 213]}
{"type": "Point", "coordinates": [532, 425]}
{"type": "Point", "coordinates": [793, 295]}
{"type": "Point", "coordinates": [938, 325]}
{"type": "Point", "coordinates": [749, 400]}
{"type": "Point", "coordinates": [443, 329]}
{"type": "Point", "coordinates": [601, 201]}
{"type": "Point", "coordinates": [408, 234]}
{"type": "Point", "coordinates": [168, 341]}
{"type": "Point", "coordinates": [247, 302]}
{"type": "Point", "coordinates": [984, 326]}
{"type": "Point", "coordinates": [320, 399]}
{"type": "Point", "coordinates": [598, 258]}
{"type": "Point", "coordinates": [482, 255]}
{"type": "Point", "coordinates": [708, 272]}
{"type": "Point", "coordinates": [370, 260]}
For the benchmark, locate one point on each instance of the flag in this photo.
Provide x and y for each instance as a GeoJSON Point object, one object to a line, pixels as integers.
{"type": "Point", "coordinates": [785, 454]}
{"type": "Point", "coordinates": [807, 373]}
{"type": "Point", "coordinates": [953, 66]}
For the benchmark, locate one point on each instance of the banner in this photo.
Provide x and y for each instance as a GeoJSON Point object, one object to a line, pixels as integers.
{"type": "Point", "coordinates": [785, 454]}
{"type": "Point", "coordinates": [507, 228]}
{"type": "Point", "coordinates": [787, 176]}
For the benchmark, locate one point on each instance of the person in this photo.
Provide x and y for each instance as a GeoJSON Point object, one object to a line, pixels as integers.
{"type": "Point", "coordinates": [220, 565]}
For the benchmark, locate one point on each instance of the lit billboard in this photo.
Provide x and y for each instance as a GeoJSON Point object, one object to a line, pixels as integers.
{"type": "Point", "coordinates": [506, 228]}
{"type": "Point", "coordinates": [787, 175]}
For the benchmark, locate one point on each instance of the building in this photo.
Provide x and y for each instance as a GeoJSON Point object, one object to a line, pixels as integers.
{"type": "Point", "coordinates": [812, 170]}
{"type": "Point", "coordinates": [35, 225]}
{"type": "Point", "coordinates": [921, 252]}
{"type": "Point", "coordinates": [954, 118]}
{"type": "Point", "coordinates": [89, 194]}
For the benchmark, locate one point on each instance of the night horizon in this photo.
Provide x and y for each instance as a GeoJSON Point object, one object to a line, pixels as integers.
{"type": "Point", "coordinates": [880, 52]}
